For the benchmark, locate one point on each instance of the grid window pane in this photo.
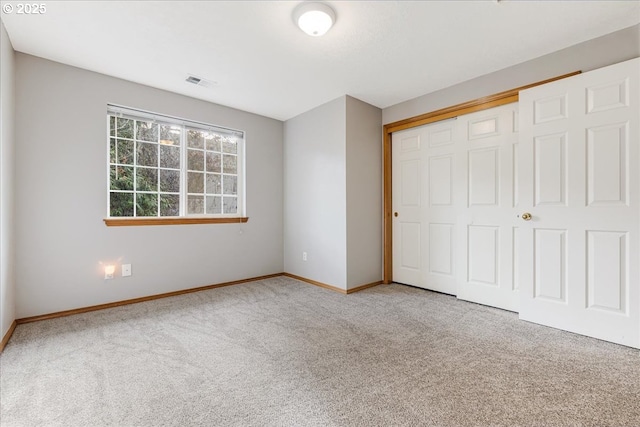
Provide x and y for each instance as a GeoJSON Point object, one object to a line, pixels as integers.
{"type": "Point", "coordinates": [195, 204]}
{"type": "Point", "coordinates": [229, 146]}
{"type": "Point", "coordinates": [170, 134]}
{"type": "Point", "coordinates": [147, 154]}
{"type": "Point", "coordinates": [121, 204]}
{"type": "Point", "coordinates": [169, 157]}
{"type": "Point", "coordinates": [146, 131]}
{"type": "Point", "coordinates": [169, 181]}
{"type": "Point", "coordinates": [214, 204]}
{"type": "Point", "coordinates": [195, 182]}
{"type": "Point", "coordinates": [124, 128]}
{"type": "Point", "coordinates": [169, 168]}
{"type": "Point", "coordinates": [195, 139]}
{"type": "Point", "coordinates": [146, 204]}
{"type": "Point", "coordinates": [230, 184]}
{"type": "Point", "coordinates": [213, 162]}
{"type": "Point", "coordinates": [230, 205]}
{"type": "Point", "coordinates": [169, 204]}
{"type": "Point", "coordinates": [112, 151]}
{"type": "Point", "coordinates": [124, 152]}
{"type": "Point", "coordinates": [146, 179]}
{"type": "Point", "coordinates": [121, 178]}
{"type": "Point", "coordinates": [213, 142]}
{"type": "Point", "coordinates": [195, 160]}
{"type": "Point", "coordinates": [230, 164]}
{"type": "Point", "coordinates": [214, 184]}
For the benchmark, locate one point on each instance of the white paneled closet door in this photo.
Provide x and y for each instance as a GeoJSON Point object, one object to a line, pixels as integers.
{"type": "Point", "coordinates": [407, 177]}
{"type": "Point", "coordinates": [578, 168]}
{"type": "Point", "coordinates": [425, 204]}
{"type": "Point", "coordinates": [487, 216]}
{"type": "Point", "coordinates": [454, 207]}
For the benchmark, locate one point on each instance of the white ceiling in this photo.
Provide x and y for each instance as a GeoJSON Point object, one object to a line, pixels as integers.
{"type": "Point", "coordinates": [382, 52]}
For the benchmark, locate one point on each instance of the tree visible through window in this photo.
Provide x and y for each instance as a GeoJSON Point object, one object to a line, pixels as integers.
{"type": "Point", "coordinates": [164, 167]}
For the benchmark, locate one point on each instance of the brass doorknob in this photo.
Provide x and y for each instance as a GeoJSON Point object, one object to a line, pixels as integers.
{"type": "Point", "coordinates": [395, 214]}
{"type": "Point", "coordinates": [526, 216]}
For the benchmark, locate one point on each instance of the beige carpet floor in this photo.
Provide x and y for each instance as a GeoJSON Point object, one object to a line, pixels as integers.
{"type": "Point", "coordinates": [280, 352]}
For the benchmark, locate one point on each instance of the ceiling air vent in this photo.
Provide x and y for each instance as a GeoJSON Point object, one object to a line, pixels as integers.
{"type": "Point", "coordinates": [194, 80]}
{"type": "Point", "coordinates": [199, 81]}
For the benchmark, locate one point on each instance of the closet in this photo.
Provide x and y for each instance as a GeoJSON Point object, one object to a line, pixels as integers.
{"type": "Point", "coordinates": [532, 206]}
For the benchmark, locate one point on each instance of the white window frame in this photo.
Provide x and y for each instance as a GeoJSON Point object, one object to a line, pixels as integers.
{"type": "Point", "coordinates": [141, 115]}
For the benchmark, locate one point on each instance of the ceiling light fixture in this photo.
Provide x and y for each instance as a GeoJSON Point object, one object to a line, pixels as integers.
{"type": "Point", "coordinates": [314, 18]}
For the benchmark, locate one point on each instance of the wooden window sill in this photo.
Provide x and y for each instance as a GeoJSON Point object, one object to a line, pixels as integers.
{"type": "Point", "coordinates": [123, 222]}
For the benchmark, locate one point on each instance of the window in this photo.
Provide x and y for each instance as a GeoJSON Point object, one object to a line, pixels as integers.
{"type": "Point", "coordinates": [161, 166]}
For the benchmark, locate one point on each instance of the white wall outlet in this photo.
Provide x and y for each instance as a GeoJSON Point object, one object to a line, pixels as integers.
{"type": "Point", "coordinates": [126, 270]}
{"type": "Point", "coordinates": [304, 256]}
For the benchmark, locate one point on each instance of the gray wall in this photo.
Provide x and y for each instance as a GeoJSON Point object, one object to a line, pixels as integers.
{"type": "Point", "coordinates": [315, 194]}
{"type": "Point", "coordinates": [7, 96]}
{"type": "Point", "coordinates": [364, 193]}
{"type": "Point", "coordinates": [600, 52]}
{"type": "Point", "coordinates": [333, 193]}
{"type": "Point", "coordinates": [61, 184]}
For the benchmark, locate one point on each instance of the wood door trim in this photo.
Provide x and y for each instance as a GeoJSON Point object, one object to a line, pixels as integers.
{"type": "Point", "coordinates": [484, 103]}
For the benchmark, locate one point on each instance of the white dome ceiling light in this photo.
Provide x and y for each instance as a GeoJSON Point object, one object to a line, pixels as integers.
{"type": "Point", "coordinates": [314, 18]}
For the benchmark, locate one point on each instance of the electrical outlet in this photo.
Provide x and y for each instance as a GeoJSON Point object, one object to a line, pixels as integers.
{"type": "Point", "coordinates": [304, 256]}
{"type": "Point", "coordinates": [126, 270]}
